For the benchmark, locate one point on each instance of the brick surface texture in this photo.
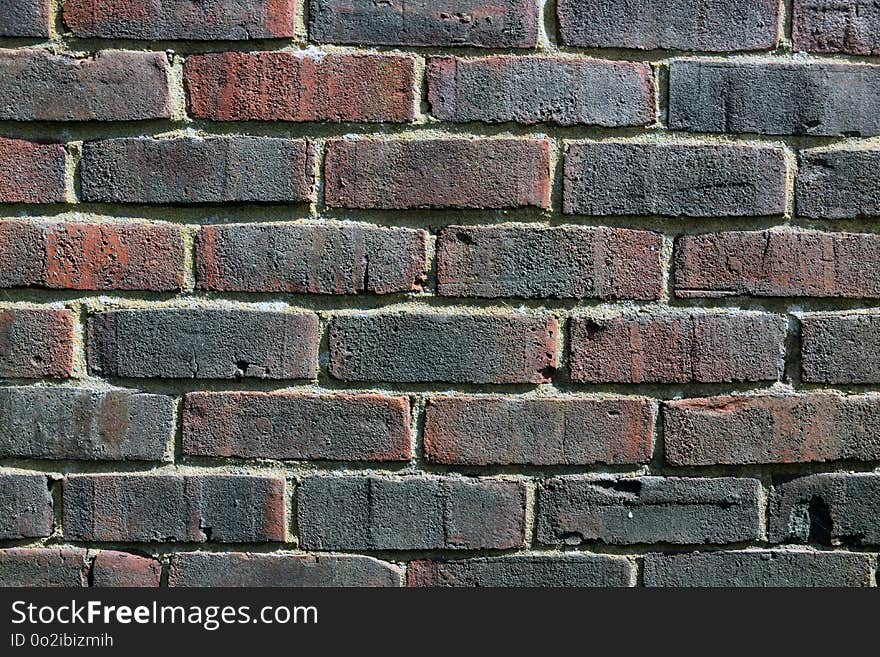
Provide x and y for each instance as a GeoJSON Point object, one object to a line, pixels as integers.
{"type": "Point", "coordinates": [439, 293]}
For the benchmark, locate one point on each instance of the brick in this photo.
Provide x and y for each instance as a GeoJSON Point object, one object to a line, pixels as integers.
{"type": "Point", "coordinates": [121, 570]}
{"type": "Point", "coordinates": [674, 179]}
{"type": "Point", "coordinates": [203, 344]}
{"type": "Point", "coordinates": [77, 423]}
{"type": "Point", "coordinates": [827, 509]}
{"type": "Point", "coordinates": [840, 348]}
{"type": "Point", "coordinates": [832, 99]}
{"type": "Point", "coordinates": [713, 25]}
{"type": "Point", "coordinates": [163, 508]}
{"type": "Point", "coordinates": [81, 256]}
{"type": "Point", "coordinates": [767, 568]}
{"type": "Point", "coordinates": [112, 85]}
{"type": "Point", "coordinates": [311, 259]}
{"type": "Point", "coordinates": [772, 429]}
{"type": "Point", "coordinates": [24, 18]}
{"type": "Point", "coordinates": [398, 174]}
{"type": "Point", "coordinates": [677, 347]}
{"type": "Point", "coordinates": [476, 23]}
{"type": "Point", "coordinates": [36, 343]}
{"type": "Point", "coordinates": [269, 570]}
{"type": "Point", "coordinates": [289, 86]}
{"type": "Point", "coordinates": [451, 347]}
{"type": "Point", "coordinates": [777, 264]}
{"type": "Point", "coordinates": [565, 91]}
{"type": "Point", "coordinates": [32, 173]}
{"type": "Point", "coordinates": [296, 426]}
{"type": "Point", "coordinates": [839, 184]}
{"type": "Point", "coordinates": [540, 431]}
{"type": "Point", "coordinates": [185, 170]}
{"type": "Point", "coordinates": [43, 567]}
{"type": "Point", "coordinates": [181, 19]}
{"type": "Point", "coordinates": [530, 262]}
{"type": "Point", "coordinates": [412, 513]}
{"type": "Point", "coordinates": [649, 510]}
{"type": "Point", "coordinates": [25, 506]}
{"type": "Point", "coordinates": [581, 570]}
{"type": "Point", "coordinates": [836, 26]}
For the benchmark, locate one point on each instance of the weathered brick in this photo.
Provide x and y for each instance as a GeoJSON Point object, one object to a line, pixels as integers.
{"type": "Point", "coordinates": [25, 506]}
{"type": "Point", "coordinates": [772, 429]}
{"type": "Point", "coordinates": [677, 347]}
{"type": "Point", "coordinates": [36, 343]}
{"type": "Point", "coordinates": [76, 423]}
{"type": "Point", "coordinates": [709, 25]}
{"type": "Point", "coordinates": [840, 348]}
{"type": "Point", "coordinates": [648, 510]}
{"type": "Point", "coordinates": [564, 91]}
{"type": "Point", "coordinates": [289, 86]}
{"type": "Point", "coordinates": [42, 567]}
{"type": "Point", "coordinates": [203, 344]}
{"type": "Point", "coordinates": [198, 170]}
{"type": "Point", "coordinates": [768, 568]}
{"type": "Point", "coordinates": [24, 18]}
{"type": "Point", "coordinates": [112, 85]}
{"type": "Point", "coordinates": [674, 179]}
{"type": "Point", "coordinates": [530, 262]}
{"type": "Point", "coordinates": [297, 426]}
{"type": "Point", "coordinates": [181, 19]}
{"type": "Point", "coordinates": [242, 569]}
{"type": "Point", "coordinates": [412, 513]}
{"type": "Point", "coordinates": [771, 98]}
{"type": "Point", "coordinates": [122, 570]}
{"type": "Point", "coordinates": [583, 570]}
{"type": "Point", "coordinates": [80, 256]}
{"type": "Point", "coordinates": [32, 173]}
{"type": "Point", "coordinates": [836, 26]}
{"type": "Point", "coordinates": [777, 263]}
{"type": "Point", "coordinates": [161, 508]}
{"type": "Point", "coordinates": [400, 174]}
{"type": "Point", "coordinates": [839, 184]}
{"type": "Point", "coordinates": [477, 23]}
{"type": "Point", "coordinates": [540, 431]}
{"type": "Point", "coordinates": [316, 259]}
{"type": "Point", "coordinates": [828, 509]}
{"type": "Point", "coordinates": [451, 347]}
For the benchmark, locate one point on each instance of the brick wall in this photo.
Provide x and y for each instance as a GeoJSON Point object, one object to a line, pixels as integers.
{"type": "Point", "coordinates": [304, 292]}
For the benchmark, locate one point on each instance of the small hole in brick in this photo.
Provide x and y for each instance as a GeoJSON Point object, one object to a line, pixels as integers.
{"type": "Point", "coordinates": [464, 238]}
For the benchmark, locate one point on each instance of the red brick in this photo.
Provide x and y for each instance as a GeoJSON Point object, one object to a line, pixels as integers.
{"type": "Point", "coordinates": [122, 570]}
{"type": "Point", "coordinates": [36, 343]}
{"type": "Point", "coordinates": [78, 256]}
{"type": "Point", "coordinates": [32, 567]}
{"type": "Point", "coordinates": [778, 264]}
{"type": "Point", "coordinates": [296, 426]}
{"type": "Point", "coordinates": [772, 429]}
{"type": "Point", "coordinates": [112, 85]}
{"type": "Point", "coordinates": [314, 259]}
{"type": "Point", "coordinates": [289, 86]}
{"type": "Point", "coordinates": [32, 173]}
{"type": "Point", "coordinates": [694, 347]}
{"type": "Point", "coordinates": [540, 431]}
{"type": "Point", "coordinates": [397, 174]}
{"type": "Point", "coordinates": [530, 262]}
{"type": "Point", "coordinates": [181, 19]}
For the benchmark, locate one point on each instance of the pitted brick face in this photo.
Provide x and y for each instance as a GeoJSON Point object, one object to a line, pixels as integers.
{"type": "Point", "coordinates": [32, 172]}
{"type": "Point", "coordinates": [36, 343]}
{"type": "Point", "coordinates": [25, 18]}
{"type": "Point", "coordinates": [836, 26]}
{"type": "Point", "coordinates": [122, 570]}
{"type": "Point", "coordinates": [44, 567]}
{"type": "Point", "coordinates": [26, 506]}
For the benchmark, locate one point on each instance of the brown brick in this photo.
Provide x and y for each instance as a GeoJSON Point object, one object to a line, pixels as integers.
{"type": "Point", "coordinates": [540, 431]}
{"type": "Point", "coordinates": [743, 430]}
{"type": "Point", "coordinates": [288, 86]}
{"type": "Point", "coordinates": [32, 173]}
{"type": "Point", "coordinates": [778, 264]}
{"type": "Point", "coordinates": [42, 567]}
{"type": "Point", "coordinates": [296, 426]}
{"type": "Point", "coordinates": [398, 174]}
{"type": "Point", "coordinates": [678, 347]}
{"type": "Point", "coordinates": [36, 343]}
{"type": "Point", "coordinates": [122, 570]}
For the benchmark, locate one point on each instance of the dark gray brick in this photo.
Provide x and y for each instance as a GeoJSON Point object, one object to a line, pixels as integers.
{"type": "Point", "coordinates": [840, 348]}
{"type": "Point", "coordinates": [24, 18]}
{"type": "Point", "coordinates": [25, 506]}
{"type": "Point", "coordinates": [42, 567]}
{"type": "Point", "coordinates": [839, 184]}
